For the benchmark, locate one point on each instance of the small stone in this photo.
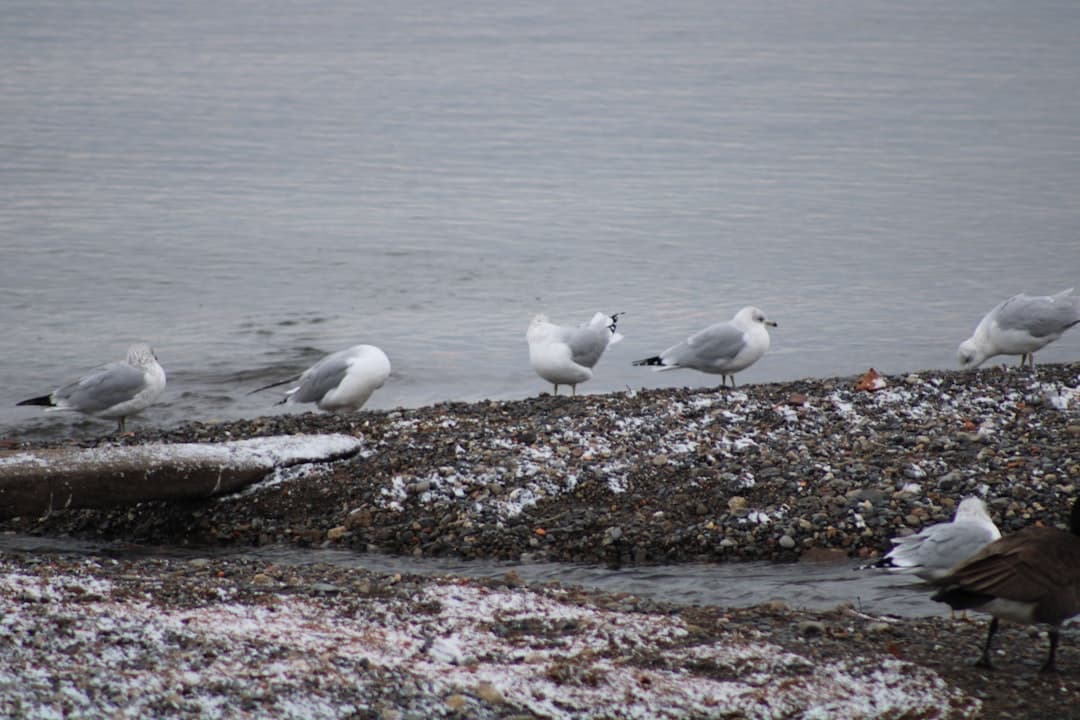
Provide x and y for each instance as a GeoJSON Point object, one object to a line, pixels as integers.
{"type": "Point", "coordinates": [879, 628]}
{"type": "Point", "coordinates": [489, 693]}
{"type": "Point", "coordinates": [660, 460]}
{"type": "Point", "coordinates": [736, 503]}
{"type": "Point", "coordinates": [811, 628]}
{"type": "Point", "coordinates": [787, 542]}
{"type": "Point", "coordinates": [914, 472]}
{"type": "Point", "coordinates": [359, 518]}
{"type": "Point", "coordinates": [612, 535]}
{"type": "Point", "coordinates": [261, 579]}
{"type": "Point", "coordinates": [336, 533]}
{"type": "Point", "coordinates": [456, 702]}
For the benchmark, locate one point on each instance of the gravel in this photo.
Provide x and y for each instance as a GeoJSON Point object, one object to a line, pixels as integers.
{"type": "Point", "coordinates": [785, 472]}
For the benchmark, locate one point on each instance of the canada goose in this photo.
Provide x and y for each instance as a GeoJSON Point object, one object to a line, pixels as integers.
{"type": "Point", "coordinates": [1031, 576]}
{"type": "Point", "coordinates": [936, 549]}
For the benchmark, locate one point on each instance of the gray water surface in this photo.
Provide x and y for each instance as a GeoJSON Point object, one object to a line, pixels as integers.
{"type": "Point", "coordinates": [815, 586]}
{"type": "Point", "coordinates": [248, 185]}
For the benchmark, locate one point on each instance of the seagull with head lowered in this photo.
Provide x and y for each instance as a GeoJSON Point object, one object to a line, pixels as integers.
{"type": "Point", "coordinates": [116, 390]}
{"type": "Point", "coordinates": [1020, 326]}
{"type": "Point", "coordinates": [932, 552]}
{"type": "Point", "coordinates": [340, 381]}
{"type": "Point", "coordinates": [721, 349]}
{"type": "Point", "coordinates": [566, 355]}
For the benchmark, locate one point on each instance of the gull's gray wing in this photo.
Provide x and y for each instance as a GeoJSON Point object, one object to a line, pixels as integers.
{"type": "Point", "coordinates": [102, 388]}
{"type": "Point", "coordinates": [942, 546]}
{"type": "Point", "coordinates": [715, 344]}
{"type": "Point", "coordinates": [586, 343]}
{"type": "Point", "coordinates": [322, 377]}
{"type": "Point", "coordinates": [1039, 316]}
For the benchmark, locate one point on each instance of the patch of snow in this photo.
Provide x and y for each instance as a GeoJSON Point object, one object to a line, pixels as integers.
{"type": "Point", "coordinates": [298, 659]}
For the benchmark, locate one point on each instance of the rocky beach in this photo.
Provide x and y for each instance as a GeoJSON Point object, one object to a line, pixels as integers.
{"type": "Point", "coordinates": [808, 471]}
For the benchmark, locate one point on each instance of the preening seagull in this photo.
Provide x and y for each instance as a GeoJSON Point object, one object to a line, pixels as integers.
{"type": "Point", "coordinates": [721, 349]}
{"type": "Point", "coordinates": [932, 552]}
{"type": "Point", "coordinates": [1031, 576]}
{"type": "Point", "coordinates": [116, 390]}
{"type": "Point", "coordinates": [566, 355]}
{"type": "Point", "coordinates": [340, 381]}
{"type": "Point", "coordinates": [1020, 326]}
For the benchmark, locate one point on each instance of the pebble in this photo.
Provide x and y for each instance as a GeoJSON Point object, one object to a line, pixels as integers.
{"type": "Point", "coordinates": [489, 693]}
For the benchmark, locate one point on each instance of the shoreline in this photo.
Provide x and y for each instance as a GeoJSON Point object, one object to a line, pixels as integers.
{"type": "Point", "coordinates": [768, 472]}
{"type": "Point", "coordinates": [809, 470]}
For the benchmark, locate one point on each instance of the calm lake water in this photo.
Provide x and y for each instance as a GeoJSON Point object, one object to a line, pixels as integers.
{"type": "Point", "coordinates": [248, 185]}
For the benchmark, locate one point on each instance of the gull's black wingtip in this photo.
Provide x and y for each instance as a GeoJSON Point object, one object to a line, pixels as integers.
{"type": "Point", "coordinates": [45, 400]}
{"type": "Point", "coordinates": [654, 360]}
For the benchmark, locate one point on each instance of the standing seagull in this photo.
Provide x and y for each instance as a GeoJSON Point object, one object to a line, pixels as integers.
{"type": "Point", "coordinates": [340, 381]}
{"type": "Point", "coordinates": [1032, 576]}
{"type": "Point", "coordinates": [935, 550]}
{"type": "Point", "coordinates": [721, 349]}
{"type": "Point", "coordinates": [1020, 326]}
{"type": "Point", "coordinates": [565, 355]}
{"type": "Point", "coordinates": [117, 390]}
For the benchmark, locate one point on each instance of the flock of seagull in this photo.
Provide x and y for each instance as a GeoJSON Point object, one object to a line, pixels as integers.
{"type": "Point", "coordinates": [560, 354]}
{"type": "Point", "coordinates": [1031, 576]}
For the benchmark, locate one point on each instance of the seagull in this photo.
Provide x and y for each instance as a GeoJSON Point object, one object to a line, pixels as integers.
{"type": "Point", "coordinates": [1031, 576]}
{"type": "Point", "coordinates": [1020, 326]}
{"type": "Point", "coordinates": [340, 381]}
{"type": "Point", "coordinates": [721, 349]}
{"type": "Point", "coordinates": [565, 355]}
{"type": "Point", "coordinates": [932, 552]}
{"type": "Point", "coordinates": [116, 390]}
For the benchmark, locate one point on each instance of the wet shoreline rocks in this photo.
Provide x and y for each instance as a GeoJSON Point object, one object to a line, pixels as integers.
{"type": "Point", "coordinates": [814, 468]}
{"type": "Point", "coordinates": [128, 637]}
{"type": "Point", "coordinates": [797, 471]}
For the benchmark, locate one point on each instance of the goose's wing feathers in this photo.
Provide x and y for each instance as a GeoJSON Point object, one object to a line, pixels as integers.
{"type": "Point", "coordinates": [1024, 567]}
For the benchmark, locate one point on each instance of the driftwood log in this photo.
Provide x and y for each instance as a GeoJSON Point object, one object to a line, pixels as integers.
{"type": "Point", "coordinates": [36, 482]}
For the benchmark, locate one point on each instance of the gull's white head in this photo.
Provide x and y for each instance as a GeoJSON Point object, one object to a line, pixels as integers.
{"type": "Point", "coordinates": [750, 316]}
{"type": "Point", "coordinates": [972, 508]}
{"type": "Point", "coordinates": [539, 327]}
{"type": "Point", "coordinates": [970, 354]}
{"type": "Point", "coordinates": [141, 355]}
